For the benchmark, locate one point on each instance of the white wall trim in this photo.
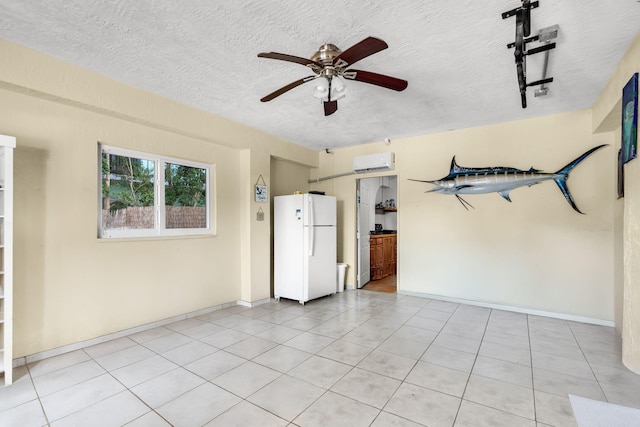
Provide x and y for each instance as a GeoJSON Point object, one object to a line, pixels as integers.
{"type": "Point", "coordinates": [21, 361]}
{"type": "Point", "coordinates": [552, 314]}
{"type": "Point", "coordinates": [254, 303]}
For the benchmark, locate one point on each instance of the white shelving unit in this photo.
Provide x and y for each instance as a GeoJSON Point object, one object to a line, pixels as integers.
{"type": "Point", "coordinates": [7, 144]}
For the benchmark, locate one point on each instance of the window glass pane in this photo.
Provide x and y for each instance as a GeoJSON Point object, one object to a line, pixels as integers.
{"type": "Point", "coordinates": [135, 205]}
{"type": "Point", "coordinates": [185, 195]}
{"type": "Point", "coordinates": [127, 192]}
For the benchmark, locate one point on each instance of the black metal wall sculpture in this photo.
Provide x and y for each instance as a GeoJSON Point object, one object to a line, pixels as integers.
{"type": "Point", "coordinates": [523, 32]}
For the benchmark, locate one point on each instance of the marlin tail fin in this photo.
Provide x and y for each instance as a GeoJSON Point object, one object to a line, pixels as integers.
{"type": "Point", "coordinates": [563, 174]}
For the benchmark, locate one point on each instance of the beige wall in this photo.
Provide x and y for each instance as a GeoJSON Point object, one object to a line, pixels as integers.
{"type": "Point", "coordinates": [607, 117]}
{"type": "Point", "coordinates": [288, 177]}
{"type": "Point", "coordinates": [69, 286]}
{"type": "Point", "coordinates": [534, 253]}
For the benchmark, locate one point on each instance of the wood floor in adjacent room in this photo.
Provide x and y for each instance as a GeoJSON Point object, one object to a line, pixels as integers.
{"type": "Point", "coordinates": [387, 284]}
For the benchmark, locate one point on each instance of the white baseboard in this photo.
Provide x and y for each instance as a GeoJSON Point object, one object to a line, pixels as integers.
{"type": "Point", "coordinates": [254, 303]}
{"type": "Point", "coordinates": [21, 361]}
{"type": "Point", "coordinates": [543, 313]}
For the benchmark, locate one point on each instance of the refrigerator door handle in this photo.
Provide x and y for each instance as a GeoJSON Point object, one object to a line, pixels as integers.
{"type": "Point", "coordinates": [312, 231]}
{"type": "Point", "coordinates": [312, 212]}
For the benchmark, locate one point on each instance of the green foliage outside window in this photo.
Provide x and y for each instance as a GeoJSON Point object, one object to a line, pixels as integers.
{"type": "Point", "coordinates": [127, 182]}
{"type": "Point", "coordinates": [184, 185]}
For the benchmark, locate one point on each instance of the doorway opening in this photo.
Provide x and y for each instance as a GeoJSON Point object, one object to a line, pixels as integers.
{"type": "Point", "coordinates": [376, 233]}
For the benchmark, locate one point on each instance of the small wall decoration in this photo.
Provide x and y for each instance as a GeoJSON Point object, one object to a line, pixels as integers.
{"type": "Point", "coordinates": [262, 191]}
{"type": "Point", "coordinates": [630, 119]}
{"type": "Point", "coordinates": [620, 175]}
{"type": "Point", "coordinates": [501, 180]}
{"type": "Point", "coordinates": [260, 215]}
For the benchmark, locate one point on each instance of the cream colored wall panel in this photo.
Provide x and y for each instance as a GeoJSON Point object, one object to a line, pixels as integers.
{"type": "Point", "coordinates": [70, 286]}
{"type": "Point", "coordinates": [536, 252]}
{"type": "Point", "coordinates": [288, 177]}
{"type": "Point", "coordinates": [607, 118]}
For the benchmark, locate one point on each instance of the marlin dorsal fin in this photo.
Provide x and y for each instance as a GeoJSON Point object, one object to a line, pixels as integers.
{"type": "Point", "coordinates": [454, 166]}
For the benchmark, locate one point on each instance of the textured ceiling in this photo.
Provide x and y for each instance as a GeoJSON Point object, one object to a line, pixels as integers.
{"type": "Point", "coordinates": [453, 53]}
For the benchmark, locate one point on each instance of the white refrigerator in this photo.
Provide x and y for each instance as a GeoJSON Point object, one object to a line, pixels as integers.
{"type": "Point", "coordinates": [304, 246]}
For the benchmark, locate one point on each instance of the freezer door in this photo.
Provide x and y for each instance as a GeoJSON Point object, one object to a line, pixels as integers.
{"type": "Point", "coordinates": [320, 268]}
{"type": "Point", "coordinates": [288, 209]}
{"type": "Point", "coordinates": [319, 210]}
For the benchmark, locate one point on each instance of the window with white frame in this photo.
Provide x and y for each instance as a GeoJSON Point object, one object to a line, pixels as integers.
{"type": "Point", "coordinates": [146, 195]}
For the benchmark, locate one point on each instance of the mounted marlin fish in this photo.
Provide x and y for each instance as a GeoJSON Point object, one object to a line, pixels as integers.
{"type": "Point", "coordinates": [501, 180]}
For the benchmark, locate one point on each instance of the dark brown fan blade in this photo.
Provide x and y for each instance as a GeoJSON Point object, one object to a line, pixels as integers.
{"type": "Point", "coordinates": [376, 79]}
{"type": "Point", "coordinates": [286, 88]}
{"type": "Point", "coordinates": [359, 51]}
{"type": "Point", "coordinates": [330, 107]}
{"type": "Point", "coordinates": [289, 58]}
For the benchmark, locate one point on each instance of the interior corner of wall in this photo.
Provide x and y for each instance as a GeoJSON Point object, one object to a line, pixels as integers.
{"type": "Point", "coordinates": [607, 121]}
{"type": "Point", "coordinates": [607, 108]}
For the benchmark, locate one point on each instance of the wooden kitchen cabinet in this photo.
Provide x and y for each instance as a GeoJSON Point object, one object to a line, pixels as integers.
{"type": "Point", "coordinates": [376, 257]}
{"type": "Point", "coordinates": [382, 251]}
{"type": "Point", "coordinates": [394, 255]}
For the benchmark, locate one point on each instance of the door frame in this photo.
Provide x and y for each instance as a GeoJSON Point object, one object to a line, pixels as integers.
{"type": "Point", "coordinates": [358, 274]}
{"type": "Point", "coordinates": [357, 221]}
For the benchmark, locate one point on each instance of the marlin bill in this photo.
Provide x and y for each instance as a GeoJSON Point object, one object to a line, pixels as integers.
{"type": "Point", "coordinates": [501, 180]}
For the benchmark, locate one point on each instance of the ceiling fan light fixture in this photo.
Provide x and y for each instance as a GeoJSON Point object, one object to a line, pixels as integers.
{"type": "Point", "coordinates": [338, 88]}
{"type": "Point", "coordinates": [321, 88]}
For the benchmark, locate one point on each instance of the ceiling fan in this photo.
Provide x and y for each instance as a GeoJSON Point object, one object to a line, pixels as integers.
{"type": "Point", "coordinates": [330, 66]}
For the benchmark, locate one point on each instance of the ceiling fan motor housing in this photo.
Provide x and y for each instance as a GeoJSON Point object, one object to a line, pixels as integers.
{"type": "Point", "coordinates": [326, 53]}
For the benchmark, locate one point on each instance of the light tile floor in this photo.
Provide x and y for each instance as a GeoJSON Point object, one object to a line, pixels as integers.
{"type": "Point", "coordinates": [357, 358]}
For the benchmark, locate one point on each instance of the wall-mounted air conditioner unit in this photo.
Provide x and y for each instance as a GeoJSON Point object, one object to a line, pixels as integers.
{"type": "Point", "coordinates": [374, 162]}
